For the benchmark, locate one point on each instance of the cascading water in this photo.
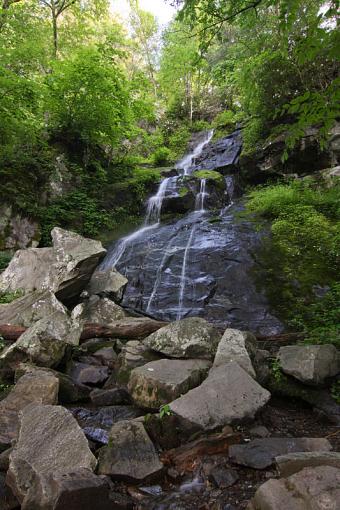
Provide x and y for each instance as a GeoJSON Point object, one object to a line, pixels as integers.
{"type": "Point", "coordinates": [195, 263]}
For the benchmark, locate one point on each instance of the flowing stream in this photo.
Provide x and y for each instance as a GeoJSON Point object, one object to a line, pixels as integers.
{"type": "Point", "coordinates": [200, 262]}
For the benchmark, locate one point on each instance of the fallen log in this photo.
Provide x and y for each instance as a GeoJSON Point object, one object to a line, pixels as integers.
{"type": "Point", "coordinates": [129, 329]}
{"type": "Point", "coordinates": [186, 458]}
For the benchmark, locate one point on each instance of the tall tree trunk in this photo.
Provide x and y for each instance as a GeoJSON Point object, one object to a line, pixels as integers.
{"type": "Point", "coordinates": [55, 32]}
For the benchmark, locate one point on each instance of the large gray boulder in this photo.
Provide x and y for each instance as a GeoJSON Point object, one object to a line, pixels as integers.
{"type": "Point", "coordinates": [234, 346]}
{"type": "Point", "coordinates": [39, 387]}
{"type": "Point", "coordinates": [311, 489]}
{"type": "Point", "coordinates": [130, 454]}
{"type": "Point", "coordinates": [50, 444]}
{"type": "Point", "coordinates": [28, 309]}
{"type": "Point", "coordinates": [261, 453]}
{"type": "Point", "coordinates": [310, 364]}
{"type": "Point", "coordinates": [101, 311]}
{"type": "Point", "coordinates": [107, 282]}
{"type": "Point", "coordinates": [159, 382]}
{"type": "Point", "coordinates": [133, 354]}
{"type": "Point", "coordinates": [188, 338]}
{"type": "Point", "coordinates": [228, 395]}
{"type": "Point", "coordinates": [291, 463]}
{"type": "Point", "coordinates": [64, 269]}
{"type": "Point", "coordinates": [44, 343]}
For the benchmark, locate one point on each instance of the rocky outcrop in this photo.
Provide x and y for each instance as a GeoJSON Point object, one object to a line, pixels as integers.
{"type": "Point", "coordinates": [310, 364]}
{"type": "Point", "coordinates": [27, 310]}
{"type": "Point", "coordinates": [310, 489]}
{"type": "Point", "coordinates": [159, 382]}
{"type": "Point", "coordinates": [130, 454]}
{"type": "Point", "coordinates": [102, 311]}
{"type": "Point", "coordinates": [222, 155]}
{"type": "Point", "coordinates": [39, 387]}
{"type": "Point", "coordinates": [189, 338]}
{"type": "Point", "coordinates": [228, 395]}
{"type": "Point", "coordinates": [107, 282]}
{"type": "Point", "coordinates": [44, 343]}
{"type": "Point", "coordinates": [50, 444]}
{"type": "Point", "coordinates": [234, 346]}
{"type": "Point", "coordinates": [261, 453]}
{"type": "Point", "coordinates": [17, 231]}
{"type": "Point", "coordinates": [64, 269]}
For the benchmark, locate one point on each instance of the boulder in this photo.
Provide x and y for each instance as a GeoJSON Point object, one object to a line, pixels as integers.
{"type": "Point", "coordinates": [7, 499]}
{"type": "Point", "coordinates": [130, 454]}
{"type": "Point", "coordinates": [311, 489]}
{"type": "Point", "coordinates": [28, 309]}
{"type": "Point", "coordinates": [234, 346]}
{"type": "Point", "coordinates": [310, 364]}
{"type": "Point", "coordinates": [102, 311]}
{"type": "Point", "coordinates": [45, 342]}
{"type": "Point", "coordinates": [188, 338]}
{"type": "Point", "coordinates": [291, 463]}
{"type": "Point", "coordinates": [105, 417]}
{"type": "Point", "coordinates": [106, 356]}
{"type": "Point", "coordinates": [111, 397]}
{"type": "Point", "coordinates": [261, 453]}
{"type": "Point", "coordinates": [133, 354]}
{"type": "Point", "coordinates": [159, 382]}
{"type": "Point", "coordinates": [39, 387]}
{"type": "Point", "coordinates": [228, 395]}
{"type": "Point", "coordinates": [83, 373]}
{"type": "Point", "coordinates": [107, 282]}
{"type": "Point", "coordinates": [50, 444]}
{"type": "Point", "coordinates": [64, 269]}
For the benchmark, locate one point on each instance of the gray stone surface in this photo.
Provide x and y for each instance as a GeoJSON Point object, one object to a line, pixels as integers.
{"type": "Point", "coordinates": [159, 382]}
{"type": "Point", "coordinates": [310, 489]}
{"type": "Point", "coordinates": [227, 396]}
{"type": "Point", "coordinates": [111, 397]}
{"type": "Point", "coordinates": [130, 454]}
{"type": "Point", "coordinates": [293, 462]}
{"type": "Point", "coordinates": [261, 453]}
{"type": "Point", "coordinates": [133, 354]}
{"type": "Point", "coordinates": [107, 282]}
{"type": "Point", "coordinates": [39, 387]}
{"type": "Point", "coordinates": [105, 417]}
{"type": "Point", "coordinates": [28, 309]}
{"type": "Point", "coordinates": [50, 444]}
{"type": "Point", "coordinates": [188, 338]}
{"type": "Point", "coordinates": [45, 342]}
{"type": "Point", "coordinates": [99, 310]}
{"type": "Point", "coordinates": [310, 364]}
{"type": "Point", "coordinates": [83, 373]}
{"type": "Point", "coordinates": [234, 346]}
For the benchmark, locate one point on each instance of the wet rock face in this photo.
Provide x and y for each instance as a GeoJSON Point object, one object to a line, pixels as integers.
{"type": "Point", "coordinates": [189, 338]}
{"type": "Point", "coordinates": [159, 382]}
{"type": "Point", "coordinates": [222, 155]}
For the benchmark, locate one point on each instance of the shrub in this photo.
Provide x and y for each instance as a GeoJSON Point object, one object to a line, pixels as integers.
{"type": "Point", "coordinates": [162, 156]}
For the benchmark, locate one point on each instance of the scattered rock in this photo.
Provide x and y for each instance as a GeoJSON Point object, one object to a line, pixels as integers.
{"type": "Point", "coordinates": [228, 395]}
{"type": "Point", "coordinates": [234, 346]}
{"type": "Point", "coordinates": [310, 489]}
{"type": "Point", "coordinates": [293, 462]}
{"type": "Point", "coordinates": [222, 477]}
{"type": "Point", "coordinates": [102, 311]}
{"type": "Point", "coordinates": [39, 387]}
{"type": "Point", "coordinates": [259, 431]}
{"type": "Point", "coordinates": [130, 454]}
{"type": "Point", "coordinates": [261, 453]}
{"type": "Point", "coordinates": [45, 342]}
{"type": "Point", "coordinates": [97, 435]}
{"type": "Point", "coordinates": [134, 354]}
{"type": "Point", "coordinates": [108, 282]}
{"type": "Point", "coordinates": [104, 418]}
{"type": "Point", "coordinates": [112, 397]}
{"type": "Point", "coordinates": [82, 373]}
{"type": "Point", "coordinates": [27, 310]}
{"type": "Point", "coordinates": [162, 381]}
{"type": "Point", "coordinates": [107, 356]}
{"type": "Point", "coordinates": [50, 444]}
{"type": "Point", "coordinates": [189, 338]}
{"type": "Point", "coordinates": [310, 364]}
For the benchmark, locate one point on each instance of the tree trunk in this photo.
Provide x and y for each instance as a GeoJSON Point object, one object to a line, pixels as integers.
{"type": "Point", "coordinates": [55, 32]}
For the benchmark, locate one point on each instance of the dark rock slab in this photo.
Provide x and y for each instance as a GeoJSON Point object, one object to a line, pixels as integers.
{"type": "Point", "coordinates": [111, 397]}
{"type": "Point", "coordinates": [84, 373]}
{"type": "Point", "coordinates": [104, 418]}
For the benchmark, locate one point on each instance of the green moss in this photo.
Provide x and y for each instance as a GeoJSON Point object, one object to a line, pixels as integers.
{"type": "Point", "coordinates": [211, 175]}
{"type": "Point", "coordinates": [183, 191]}
{"type": "Point", "coordinates": [8, 297]}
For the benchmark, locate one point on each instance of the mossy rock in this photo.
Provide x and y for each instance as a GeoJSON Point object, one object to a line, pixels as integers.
{"type": "Point", "coordinates": [183, 191]}
{"type": "Point", "coordinates": [212, 176]}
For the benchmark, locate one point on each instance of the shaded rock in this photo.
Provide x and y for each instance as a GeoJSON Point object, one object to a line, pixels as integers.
{"type": "Point", "coordinates": [259, 431]}
{"type": "Point", "coordinates": [133, 354]}
{"type": "Point", "coordinates": [50, 444]}
{"type": "Point", "coordinates": [27, 310]}
{"type": "Point", "coordinates": [102, 311]}
{"type": "Point", "coordinates": [130, 454]}
{"type": "Point", "coordinates": [227, 396]}
{"type": "Point", "coordinates": [97, 435]}
{"type": "Point", "coordinates": [162, 381]}
{"type": "Point", "coordinates": [189, 338]}
{"type": "Point", "coordinates": [104, 418]}
{"type": "Point", "coordinates": [106, 355]}
{"type": "Point", "coordinates": [310, 489]}
{"type": "Point", "coordinates": [293, 462]}
{"type": "Point", "coordinates": [310, 364]}
{"type": "Point", "coordinates": [4, 459]}
{"type": "Point", "coordinates": [39, 387]}
{"type": "Point", "coordinates": [7, 499]}
{"type": "Point", "coordinates": [45, 342]}
{"type": "Point", "coordinates": [222, 477]}
{"type": "Point", "coordinates": [111, 397]}
{"type": "Point", "coordinates": [107, 282]}
{"type": "Point", "coordinates": [83, 373]}
{"type": "Point", "coordinates": [261, 453]}
{"type": "Point", "coordinates": [16, 231]}
{"type": "Point", "coordinates": [179, 203]}
{"type": "Point", "coordinates": [234, 346]}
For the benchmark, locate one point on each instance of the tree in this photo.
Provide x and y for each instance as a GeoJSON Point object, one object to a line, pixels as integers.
{"type": "Point", "coordinates": [57, 8]}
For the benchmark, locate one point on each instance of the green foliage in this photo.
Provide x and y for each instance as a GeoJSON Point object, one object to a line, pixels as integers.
{"type": "Point", "coordinates": [5, 258]}
{"type": "Point", "coordinates": [164, 411]}
{"type": "Point", "coordinates": [162, 156]}
{"type": "Point", "coordinates": [8, 297]}
{"type": "Point", "coordinates": [276, 370]}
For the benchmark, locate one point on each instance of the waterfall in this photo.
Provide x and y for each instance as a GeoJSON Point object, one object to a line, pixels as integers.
{"type": "Point", "coordinates": [153, 211]}
{"type": "Point", "coordinates": [186, 163]}
{"type": "Point", "coordinates": [158, 279]}
{"type": "Point", "coordinates": [183, 273]}
{"type": "Point", "coordinates": [199, 204]}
